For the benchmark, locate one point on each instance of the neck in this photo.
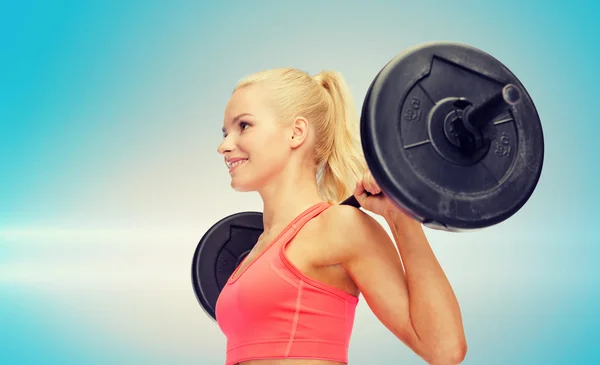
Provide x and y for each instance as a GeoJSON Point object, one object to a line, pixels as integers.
{"type": "Point", "coordinates": [288, 196]}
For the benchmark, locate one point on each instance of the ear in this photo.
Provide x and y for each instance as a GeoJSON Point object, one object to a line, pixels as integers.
{"type": "Point", "coordinates": [299, 131]}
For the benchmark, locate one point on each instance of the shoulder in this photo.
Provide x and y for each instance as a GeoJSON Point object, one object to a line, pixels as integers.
{"type": "Point", "coordinates": [345, 217]}
{"type": "Point", "coordinates": [351, 231]}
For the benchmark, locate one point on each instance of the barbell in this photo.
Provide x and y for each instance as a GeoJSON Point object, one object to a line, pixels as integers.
{"type": "Point", "coordinates": [450, 135]}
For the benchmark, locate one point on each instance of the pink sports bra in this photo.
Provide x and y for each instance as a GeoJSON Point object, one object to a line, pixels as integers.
{"type": "Point", "coordinates": [273, 311]}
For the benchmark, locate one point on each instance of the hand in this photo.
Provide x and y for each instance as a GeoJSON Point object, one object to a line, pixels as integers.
{"type": "Point", "coordinates": [377, 202]}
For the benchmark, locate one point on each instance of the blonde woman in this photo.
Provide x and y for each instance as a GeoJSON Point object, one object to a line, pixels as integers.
{"type": "Point", "coordinates": [294, 139]}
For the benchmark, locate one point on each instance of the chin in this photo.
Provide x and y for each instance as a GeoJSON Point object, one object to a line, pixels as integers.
{"type": "Point", "coordinates": [242, 189]}
{"type": "Point", "coordinates": [250, 180]}
{"type": "Point", "coordinates": [243, 186]}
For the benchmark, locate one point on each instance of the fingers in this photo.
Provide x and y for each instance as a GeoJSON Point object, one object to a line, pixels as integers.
{"type": "Point", "coordinates": [359, 190]}
{"type": "Point", "coordinates": [367, 185]}
{"type": "Point", "coordinates": [370, 184]}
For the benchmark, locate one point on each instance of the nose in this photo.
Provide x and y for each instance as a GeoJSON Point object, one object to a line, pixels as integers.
{"type": "Point", "coordinates": [225, 146]}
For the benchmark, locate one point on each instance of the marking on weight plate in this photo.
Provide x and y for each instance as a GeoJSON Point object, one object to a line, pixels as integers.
{"type": "Point", "coordinates": [413, 115]}
{"type": "Point", "coordinates": [223, 262]}
{"type": "Point", "coordinates": [417, 144]}
{"type": "Point", "coordinates": [414, 112]}
{"type": "Point", "coordinates": [502, 121]}
{"type": "Point", "coordinates": [229, 251]}
{"type": "Point", "coordinates": [237, 228]}
{"type": "Point", "coordinates": [426, 93]}
{"type": "Point", "coordinates": [503, 147]}
{"type": "Point", "coordinates": [489, 171]}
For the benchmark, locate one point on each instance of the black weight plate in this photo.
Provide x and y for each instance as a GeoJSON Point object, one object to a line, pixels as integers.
{"type": "Point", "coordinates": [399, 143]}
{"type": "Point", "coordinates": [220, 250]}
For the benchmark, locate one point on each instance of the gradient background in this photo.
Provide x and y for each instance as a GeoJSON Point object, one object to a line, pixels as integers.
{"type": "Point", "coordinates": [110, 117]}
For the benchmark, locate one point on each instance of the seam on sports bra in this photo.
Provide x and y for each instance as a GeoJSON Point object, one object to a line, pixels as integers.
{"type": "Point", "coordinates": [346, 323]}
{"type": "Point", "coordinates": [276, 271]}
{"type": "Point", "coordinates": [295, 323]}
{"type": "Point", "coordinates": [313, 282]}
{"type": "Point", "coordinates": [304, 306]}
{"type": "Point", "coordinates": [281, 340]}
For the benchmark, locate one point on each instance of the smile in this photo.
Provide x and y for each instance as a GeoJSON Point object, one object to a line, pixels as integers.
{"type": "Point", "coordinates": [235, 164]}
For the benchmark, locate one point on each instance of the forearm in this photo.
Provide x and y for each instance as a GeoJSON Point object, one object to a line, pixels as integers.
{"type": "Point", "coordinates": [434, 310]}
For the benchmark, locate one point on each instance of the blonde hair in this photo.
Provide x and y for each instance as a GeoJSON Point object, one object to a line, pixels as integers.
{"type": "Point", "coordinates": [326, 102]}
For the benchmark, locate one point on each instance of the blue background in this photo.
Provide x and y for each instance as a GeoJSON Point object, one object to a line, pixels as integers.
{"type": "Point", "coordinates": [110, 116]}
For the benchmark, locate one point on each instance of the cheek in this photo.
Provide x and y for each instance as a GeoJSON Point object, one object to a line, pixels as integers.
{"type": "Point", "coordinates": [264, 145]}
{"type": "Point", "coordinates": [276, 151]}
{"type": "Point", "coordinates": [268, 158]}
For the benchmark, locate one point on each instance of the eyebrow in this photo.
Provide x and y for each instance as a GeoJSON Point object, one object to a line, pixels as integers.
{"type": "Point", "coordinates": [236, 118]}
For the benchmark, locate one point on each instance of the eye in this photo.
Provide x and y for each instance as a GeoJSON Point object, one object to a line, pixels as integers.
{"type": "Point", "coordinates": [243, 125]}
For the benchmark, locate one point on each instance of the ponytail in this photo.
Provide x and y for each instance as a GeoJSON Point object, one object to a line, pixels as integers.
{"type": "Point", "coordinates": [343, 162]}
{"type": "Point", "coordinates": [325, 100]}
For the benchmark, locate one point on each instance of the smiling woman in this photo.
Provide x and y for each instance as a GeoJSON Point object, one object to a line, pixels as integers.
{"type": "Point", "coordinates": [294, 139]}
{"type": "Point", "coordinates": [267, 108]}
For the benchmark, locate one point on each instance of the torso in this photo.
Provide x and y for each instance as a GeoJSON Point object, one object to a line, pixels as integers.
{"type": "Point", "coordinates": [313, 251]}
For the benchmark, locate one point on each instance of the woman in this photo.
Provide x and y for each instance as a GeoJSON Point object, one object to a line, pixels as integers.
{"type": "Point", "coordinates": [294, 139]}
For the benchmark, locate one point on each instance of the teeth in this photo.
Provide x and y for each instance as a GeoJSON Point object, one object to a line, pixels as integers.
{"type": "Point", "coordinates": [236, 163]}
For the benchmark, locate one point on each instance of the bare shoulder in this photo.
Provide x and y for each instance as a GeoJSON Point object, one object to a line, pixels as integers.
{"type": "Point", "coordinates": [352, 232]}
{"type": "Point", "coordinates": [348, 217]}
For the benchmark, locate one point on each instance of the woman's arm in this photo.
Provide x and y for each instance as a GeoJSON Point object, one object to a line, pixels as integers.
{"type": "Point", "coordinates": [410, 294]}
{"type": "Point", "coordinates": [434, 311]}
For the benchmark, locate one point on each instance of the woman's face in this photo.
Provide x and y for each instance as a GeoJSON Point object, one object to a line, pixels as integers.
{"type": "Point", "coordinates": [255, 145]}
